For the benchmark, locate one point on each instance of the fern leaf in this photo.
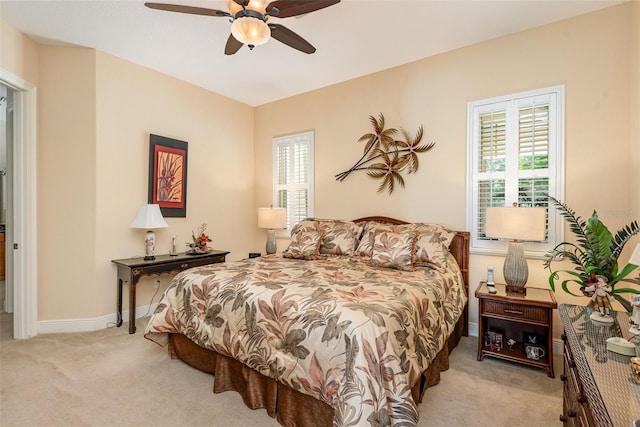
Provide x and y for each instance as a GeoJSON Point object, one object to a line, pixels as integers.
{"type": "Point", "coordinates": [576, 224]}
{"type": "Point", "coordinates": [623, 236]}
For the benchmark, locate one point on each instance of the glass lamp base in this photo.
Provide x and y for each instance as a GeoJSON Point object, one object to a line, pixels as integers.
{"type": "Point", "coordinates": [271, 242]}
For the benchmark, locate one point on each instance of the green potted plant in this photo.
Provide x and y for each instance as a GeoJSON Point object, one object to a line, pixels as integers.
{"type": "Point", "coordinates": [594, 254]}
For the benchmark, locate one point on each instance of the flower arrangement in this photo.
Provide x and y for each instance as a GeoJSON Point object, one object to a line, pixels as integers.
{"type": "Point", "coordinates": [198, 245]}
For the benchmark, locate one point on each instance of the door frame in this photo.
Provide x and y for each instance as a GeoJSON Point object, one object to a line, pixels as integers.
{"type": "Point", "coordinates": [22, 242]}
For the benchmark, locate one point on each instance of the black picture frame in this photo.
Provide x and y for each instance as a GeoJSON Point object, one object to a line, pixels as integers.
{"type": "Point", "coordinates": [168, 175]}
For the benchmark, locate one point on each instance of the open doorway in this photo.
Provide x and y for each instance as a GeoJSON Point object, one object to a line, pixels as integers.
{"type": "Point", "coordinates": [6, 142]}
{"type": "Point", "coordinates": [21, 213]}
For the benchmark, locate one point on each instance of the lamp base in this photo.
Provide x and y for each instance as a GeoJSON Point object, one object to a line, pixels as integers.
{"type": "Point", "coordinates": [149, 245]}
{"type": "Point", "coordinates": [271, 242]}
{"type": "Point", "coordinates": [517, 289]}
{"type": "Point", "coordinates": [515, 269]}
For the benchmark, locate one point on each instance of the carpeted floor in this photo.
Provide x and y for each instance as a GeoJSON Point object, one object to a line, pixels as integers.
{"type": "Point", "coordinates": [111, 378]}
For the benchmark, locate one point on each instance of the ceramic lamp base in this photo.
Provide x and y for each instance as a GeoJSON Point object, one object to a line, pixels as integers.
{"type": "Point", "coordinates": [518, 289]}
{"type": "Point", "coordinates": [150, 245]}
{"type": "Point", "coordinates": [515, 269]}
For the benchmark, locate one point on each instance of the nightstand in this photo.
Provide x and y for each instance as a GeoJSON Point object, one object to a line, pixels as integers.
{"type": "Point", "coordinates": [526, 318]}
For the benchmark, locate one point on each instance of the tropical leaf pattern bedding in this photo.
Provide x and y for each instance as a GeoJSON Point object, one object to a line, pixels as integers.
{"type": "Point", "coordinates": [354, 336]}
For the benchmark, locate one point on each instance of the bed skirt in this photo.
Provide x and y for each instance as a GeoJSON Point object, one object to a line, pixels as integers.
{"type": "Point", "coordinates": [280, 401]}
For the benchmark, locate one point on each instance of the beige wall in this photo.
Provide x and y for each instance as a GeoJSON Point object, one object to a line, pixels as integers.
{"type": "Point", "coordinates": [18, 53]}
{"type": "Point", "coordinates": [66, 183]}
{"type": "Point", "coordinates": [132, 102]}
{"type": "Point", "coordinates": [590, 55]}
{"type": "Point", "coordinates": [95, 114]}
{"type": "Point", "coordinates": [635, 108]}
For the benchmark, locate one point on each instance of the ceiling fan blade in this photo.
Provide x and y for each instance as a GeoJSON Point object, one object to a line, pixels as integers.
{"type": "Point", "coordinates": [290, 8]}
{"type": "Point", "coordinates": [288, 37]}
{"type": "Point", "coordinates": [187, 9]}
{"type": "Point", "coordinates": [232, 46]}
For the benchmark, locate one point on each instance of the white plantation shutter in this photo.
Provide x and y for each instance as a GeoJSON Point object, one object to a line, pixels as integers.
{"type": "Point", "coordinates": [491, 161]}
{"type": "Point", "coordinates": [293, 176]}
{"type": "Point", "coordinates": [515, 154]}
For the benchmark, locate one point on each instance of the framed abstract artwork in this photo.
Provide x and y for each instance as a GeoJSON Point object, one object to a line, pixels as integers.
{"type": "Point", "coordinates": [168, 175]}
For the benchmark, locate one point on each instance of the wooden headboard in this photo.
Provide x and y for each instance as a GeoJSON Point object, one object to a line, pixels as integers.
{"type": "Point", "coordinates": [459, 248]}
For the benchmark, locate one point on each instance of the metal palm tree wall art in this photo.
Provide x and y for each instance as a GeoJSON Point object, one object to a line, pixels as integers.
{"type": "Point", "coordinates": [386, 158]}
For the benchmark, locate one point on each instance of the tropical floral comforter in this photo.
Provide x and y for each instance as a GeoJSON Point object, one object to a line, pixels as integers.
{"type": "Point", "coordinates": [351, 335]}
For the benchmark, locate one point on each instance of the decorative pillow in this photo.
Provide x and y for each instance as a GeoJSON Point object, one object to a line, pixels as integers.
{"type": "Point", "coordinates": [304, 245]}
{"type": "Point", "coordinates": [393, 250]}
{"type": "Point", "coordinates": [365, 245]}
{"type": "Point", "coordinates": [340, 237]}
{"type": "Point", "coordinates": [432, 245]}
{"type": "Point", "coordinates": [308, 224]}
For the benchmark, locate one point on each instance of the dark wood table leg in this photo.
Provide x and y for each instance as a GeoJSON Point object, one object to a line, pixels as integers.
{"type": "Point", "coordinates": [550, 372]}
{"type": "Point", "coordinates": [119, 316]}
{"type": "Point", "coordinates": [132, 306]}
{"type": "Point", "coordinates": [480, 332]}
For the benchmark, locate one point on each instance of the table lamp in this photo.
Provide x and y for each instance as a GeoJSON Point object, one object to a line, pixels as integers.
{"type": "Point", "coordinates": [272, 218]}
{"type": "Point", "coordinates": [149, 217]}
{"type": "Point", "coordinates": [516, 224]}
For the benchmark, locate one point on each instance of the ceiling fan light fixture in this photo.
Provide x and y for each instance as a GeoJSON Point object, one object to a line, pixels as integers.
{"type": "Point", "coordinates": [250, 31]}
{"type": "Point", "coordinates": [259, 6]}
{"type": "Point", "coordinates": [233, 7]}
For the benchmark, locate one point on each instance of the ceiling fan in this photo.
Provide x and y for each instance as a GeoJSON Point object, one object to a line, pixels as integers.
{"type": "Point", "coordinates": [249, 20]}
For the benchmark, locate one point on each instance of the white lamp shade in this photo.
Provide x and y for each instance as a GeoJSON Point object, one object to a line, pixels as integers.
{"type": "Point", "coordinates": [272, 218]}
{"type": "Point", "coordinates": [516, 223]}
{"type": "Point", "coordinates": [149, 217]}
{"type": "Point", "coordinates": [635, 256]}
{"type": "Point", "coordinates": [250, 31]}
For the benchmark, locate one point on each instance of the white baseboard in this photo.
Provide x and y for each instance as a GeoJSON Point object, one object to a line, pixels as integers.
{"type": "Point", "coordinates": [473, 329]}
{"type": "Point", "coordinates": [95, 324]}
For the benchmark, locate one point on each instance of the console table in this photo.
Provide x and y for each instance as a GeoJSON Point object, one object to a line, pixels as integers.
{"type": "Point", "coordinates": [599, 387]}
{"type": "Point", "coordinates": [132, 269]}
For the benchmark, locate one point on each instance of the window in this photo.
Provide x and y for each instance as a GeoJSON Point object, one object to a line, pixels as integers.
{"type": "Point", "coordinates": [515, 154]}
{"type": "Point", "coordinates": [293, 176]}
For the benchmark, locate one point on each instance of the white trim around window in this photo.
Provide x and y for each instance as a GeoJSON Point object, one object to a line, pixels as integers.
{"type": "Point", "coordinates": [515, 153]}
{"type": "Point", "coordinates": [293, 172]}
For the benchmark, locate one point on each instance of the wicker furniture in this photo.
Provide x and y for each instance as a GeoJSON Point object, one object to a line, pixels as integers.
{"type": "Point", "coordinates": [599, 387]}
{"type": "Point", "coordinates": [516, 316]}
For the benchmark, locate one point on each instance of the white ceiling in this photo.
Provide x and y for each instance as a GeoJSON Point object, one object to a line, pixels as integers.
{"type": "Point", "coordinates": [353, 38]}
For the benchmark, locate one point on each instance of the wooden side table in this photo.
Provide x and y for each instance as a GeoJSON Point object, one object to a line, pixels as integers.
{"type": "Point", "coordinates": [521, 317]}
{"type": "Point", "coordinates": [132, 269]}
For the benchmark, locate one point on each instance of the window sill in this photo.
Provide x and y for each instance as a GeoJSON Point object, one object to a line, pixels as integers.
{"type": "Point", "coordinates": [503, 253]}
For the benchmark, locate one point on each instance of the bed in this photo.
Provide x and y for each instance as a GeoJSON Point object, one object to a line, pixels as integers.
{"type": "Point", "coordinates": [352, 322]}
